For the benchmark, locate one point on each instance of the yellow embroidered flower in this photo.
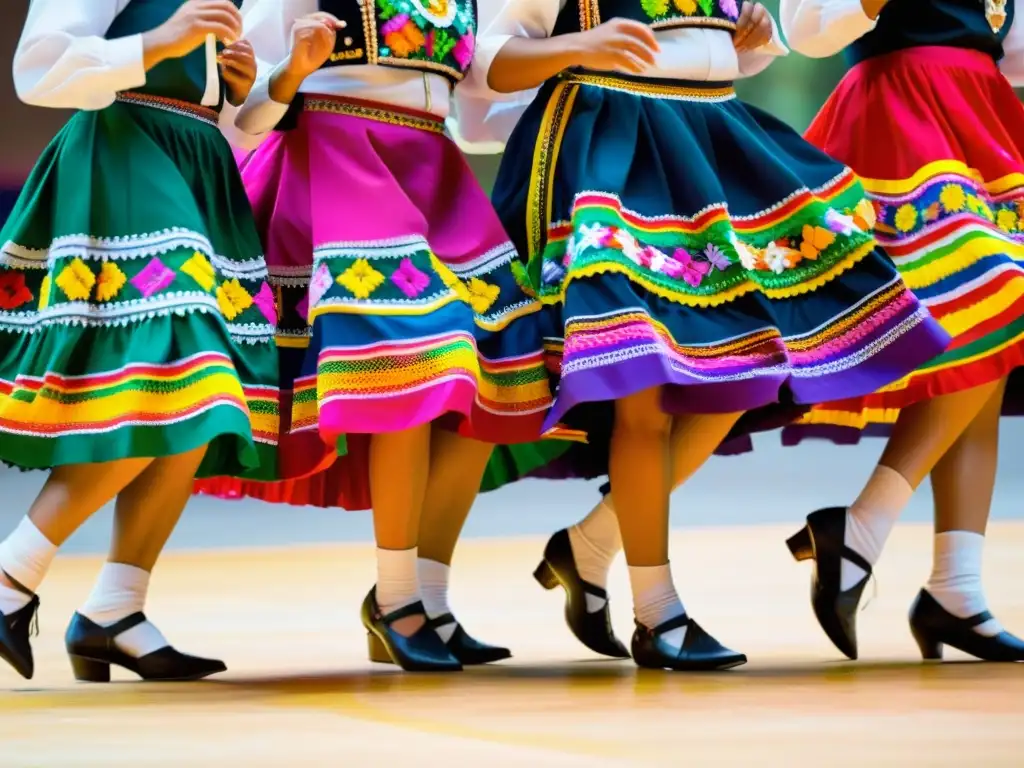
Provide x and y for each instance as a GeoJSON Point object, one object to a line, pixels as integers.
{"type": "Point", "coordinates": [44, 294]}
{"type": "Point", "coordinates": [906, 217]}
{"type": "Point", "coordinates": [201, 270]}
{"type": "Point", "coordinates": [864, 215]}
{"type": "Point", "coordinates": [1007, 220]}
{"type": "Point", "coordinates": [361, 279]}
{"type": "Point", "coordinates": [233, 299]}
{"type": "Point", "coordinates": [110, 282]}
{"type": "Point", "coordinates": [447, 276]}
{"type": "Point", "coordinates": [973, 204]}
{"type": "Point", "coordinates": [76, 280]}
{"type": "Point", "coordinates": [482, 295]}
{"type": "Point", "coordinates": [985, 210]}
{"type": "Point", "coordinates": [689, 7]}
{"type": "Point", "coordinates": [952, 197]}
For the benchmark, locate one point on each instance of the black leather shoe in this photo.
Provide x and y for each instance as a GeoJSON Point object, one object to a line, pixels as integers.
{"type": "Point", "coordinates": [466, 648]}
{"type": "Point", "coordinates": [933, 627]}
{"type": "Point", "coordinates": [15, 631]}
{"type": "Point", "coordinates": [700, 651]}
{"type": "Point", "coordinates": [821, 540]}
{"type": "Point", "coordinates": [594, 630]}
{"type": "Point", "coordinates": [422, 651]}
{"type": "Point", "coordinates": [92, 650]}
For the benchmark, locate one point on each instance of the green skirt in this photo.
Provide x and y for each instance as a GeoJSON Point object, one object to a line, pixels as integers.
{"type": "Point", "coordinates": [135, 315]}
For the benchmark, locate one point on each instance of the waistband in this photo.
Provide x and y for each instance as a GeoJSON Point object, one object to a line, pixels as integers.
{"type": "Point", "coordinates": [184, 108]}
{"type": "Point", "coordinates": [372, 110]}
{"type": "Point", "coordinates": [945, 56]}
{"type": "Point", "coordinates": [652, 87]}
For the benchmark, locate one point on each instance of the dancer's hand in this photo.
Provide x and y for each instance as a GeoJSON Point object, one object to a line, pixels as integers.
{"type": "Point", "coordinates": [188, 29]}
{"type": "Point", "coordinates": [753, 28]}
{"type": "Point", "coordinates": [238, 68]}
{"type": "Point", "coordinates": [619, 45]}
{"type": "Point", "coordinates": [313, 40]}
{"type": "Point", "coordinates": [873, 7]}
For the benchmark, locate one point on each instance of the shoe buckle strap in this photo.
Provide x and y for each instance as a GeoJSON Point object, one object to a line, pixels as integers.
{"type": "Point", "coordinates": [413, 609]}
{"type": "Point", "coordinates": [677, 622]}
{"type": "Point", "coordinates": [128, 622]}
{"type": "Point", "coordinates": [440, 621]}
{"type": "Point", "coordinates": [979, 618]}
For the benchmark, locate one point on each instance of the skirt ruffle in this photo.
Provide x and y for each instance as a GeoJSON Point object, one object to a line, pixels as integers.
{"type": "Point", "coordinates": [937, 135]}
{"type": "Point", "coordinates": [399, 304]}
{"type": "Point", "coordinates": [135, 315]}
{"type": "Point", "coordinates": [679, 238]}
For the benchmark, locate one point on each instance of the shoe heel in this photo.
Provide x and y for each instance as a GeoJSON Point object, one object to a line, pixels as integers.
{"type": "Point", "coordinates": [800, 545]}
{"type": "Point", "coordinates": [931, 649]}
{"type": "Point", "coordinates": [545, 576]}
{"type": "Point", "coordinates": [377, 651]}
{"type": "Point", "coordinates": [90, 671]}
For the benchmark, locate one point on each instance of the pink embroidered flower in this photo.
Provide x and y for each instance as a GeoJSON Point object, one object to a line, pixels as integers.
{"type": "Point", "coordinates": [729, 8]}
{"type": "Point", "coordinates": [402, 36]}
{"type": "Point", "coordinates": [609, 238]}
{"type": "Point", "coordinates": [463, 50]}
{"type": "Point", "coordinates": [839, 223]}
{"type": "Point", "coordinates": [153, 278]}
{"type": "Point", "coordinates": [319, 284]}
{"type": "Point", "coordinates": [410, 280]}
{"type": "Point", "coordinates": [688, 269]}
{"type": "Point", "coordinates": [716, 258]}
{"type": "Point", "coordinates": [394, 24]}
{"type": "Point", "coordinates": [303, 307]}
{"type": "Point", "coordinates": [264, 301]}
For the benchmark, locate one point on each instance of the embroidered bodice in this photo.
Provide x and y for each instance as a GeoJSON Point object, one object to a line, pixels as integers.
{"type": "Point", "coordinates": [579, 15]}
{"type": "Point", "coordinates": [429, 35]}
{"type": "Point", "coordinates": [979, 25]}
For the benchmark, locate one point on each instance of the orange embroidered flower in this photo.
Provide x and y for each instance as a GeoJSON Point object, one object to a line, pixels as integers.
{"type": "Point", "coordinates": [402, 36]}
{"type": "Point", "coordinates": [815, 240]}
{"type": "Point", "coordinates": [865, 216]}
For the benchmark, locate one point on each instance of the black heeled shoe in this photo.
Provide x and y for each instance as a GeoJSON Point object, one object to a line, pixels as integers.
{"type": "Point", "coordinates": [821, 540]}
{"type": "Point", "coordinates": [700, 652]}
{"type": "Point", "coordinates": [92, 650]}
{"type": "Point", "coordinates": [422, 651]}
{"type": "Point", "coordinates": [16, 629]}
{"type": "Point", "coordinates": [933, 627]}
{"type": "Point", "coordinates": [594, 630]}
{"type": "Point", "coordinates": [467, 650]}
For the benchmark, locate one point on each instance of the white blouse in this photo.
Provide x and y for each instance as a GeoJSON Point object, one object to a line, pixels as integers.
{"type": "Point", "coordinates": [63, 60]}
{"type": "Point", "coordinates": [822, 28]}
{"type": "Point", "coordinates": [486, 117]}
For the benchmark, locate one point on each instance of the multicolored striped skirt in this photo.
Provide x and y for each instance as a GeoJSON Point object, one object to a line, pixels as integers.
{"type": "Point", "coordinates": [399, 306]}
{"type": "Point", "coordinates": [681, 239]}
{"type": "Point", "coordinates": [937, 136]}
{"type": "Point", "coordinates": [136, 319]}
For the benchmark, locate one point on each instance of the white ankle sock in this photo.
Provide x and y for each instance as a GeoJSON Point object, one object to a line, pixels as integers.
{"type": "Point", "coordinates": [397, 582]}
{"type": "Point", "coordinates": [25, 556]}
{"type": "Point", "coordinates": [595, 541]}
{"type": "Point", "coordinates": [955, 582]}
{"type": "Point", "coordinates": [655, 600]}
{"type": "Point", "coordinates": [119, 592]}
{"type": "Point", "coordinates": [871, 519]}
{"type": "Point", "coordinates": [434, 591]}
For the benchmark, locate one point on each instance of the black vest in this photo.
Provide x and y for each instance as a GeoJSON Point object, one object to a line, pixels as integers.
{"type": "Point", "coordinates": [581, 15]}
{"type": "Point", "coordinates": [912, 23]}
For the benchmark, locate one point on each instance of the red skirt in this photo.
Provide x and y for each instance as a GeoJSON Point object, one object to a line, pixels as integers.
{"type": "Point", "coordinates": [937, 136]}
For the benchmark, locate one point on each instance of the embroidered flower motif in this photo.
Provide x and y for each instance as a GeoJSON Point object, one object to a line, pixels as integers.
{"type": "Point", "coordinates": [447, 276]}
{"type": "Point", "coordinates": [749, 258]}
{"type": "Point", "coordinates": [593, 236]}
{"type": "Point", "coordinates": [716, 257]}
{"type": "Point", "coordinates": [551, 273]}
{"type": "Point", "coordinates": [779, 258]}
{"type": "Point", "coordinates": [952, 197]}
{"type": "Point", "coordinates": [201, 270]}
{"type": "Point", "coordinates": [815, 240]}
{"type": "Point", "coordinates": [655, 260]}
{"type": "Point", "coordinates": [864, 215]}
{"type": "Point", "coordinates": [402, 36]}
{"type": "Point", "coordinates": [1007, 220]}
{"type": "Point", "coordinates": [729, 8]}
{"type": "Point", "coordinates": [76, 280]}
{"type": "Point", "coordinates": [13, 290]}
{"type": "Point", "coordinates": [428, 44]}
{"type": "Point", "coordinates": [839, 223]}
{"type": "Point", "coordinates": [153, 278]}
{"type": "Point", "coordinates": [319, 284]}
{"type": "Point", "coordinates": [689, 269]}
{"type": "Point", "coordinates": [906, 217]}
{"type": "Point", "coordinates": [232, 299]}
{"type": "Point", "coordinates": [631, 249]}
{"type": "Point", "coordinates": [654, 8]}
{"type": "Point", "coordinates": [482, 295]}
{"type": "Point", "coordinates": [302, 308]}
{"type": "Point", "coordinates": [985, 210]}
{"type": "Point", "coordinates": [264, 301]}
{"type": "Point", "coordinates": [110, 281]}
{"type": "Point", "coordinates": [410, 281]}
{"type": "Point", "coordinates": [973, 204]}
{"type": "Point", "coordinates": [361, 279]}
{"type": "Point", "coordinates": [689, 7]}
{"type": "Point", "coordinates": [463, 50]}
{"type": "Point", "coordinates": [570, 250]}
{"type": "Point", "coordinates": [932, 212]}
{"type": "Point", "coordinates": [44, 294]}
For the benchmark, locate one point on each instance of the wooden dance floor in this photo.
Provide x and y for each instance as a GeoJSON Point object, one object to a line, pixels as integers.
{"type": "Point", "coordinates": [299, 691]}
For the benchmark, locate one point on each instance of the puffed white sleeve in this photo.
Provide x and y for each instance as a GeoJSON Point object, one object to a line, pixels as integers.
{"type": "Point", "coordinates": [756, 61]}
{"type": "Point", "coordinates": [1012, 63]}
{"type": "Point", "coordinates": [484, 118]}
{"type": "Point", "coordinates": [268, 27]}
{"type": "Point", "coordinates": [822, 28]}
{"type": "Point", "coordinates": [63, 60]}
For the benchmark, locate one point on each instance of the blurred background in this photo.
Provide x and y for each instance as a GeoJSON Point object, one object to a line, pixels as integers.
{"type": "Point", "coordinates": [771, 485]}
